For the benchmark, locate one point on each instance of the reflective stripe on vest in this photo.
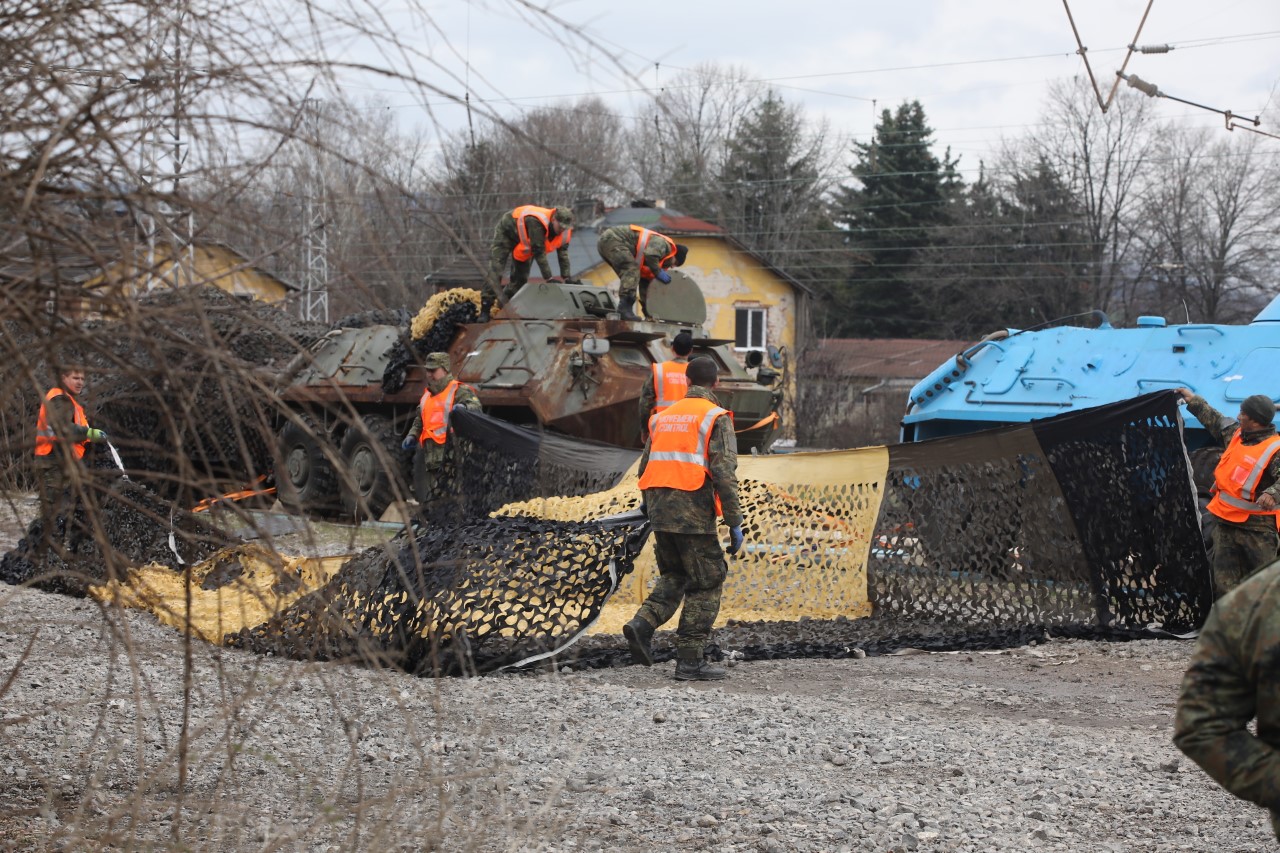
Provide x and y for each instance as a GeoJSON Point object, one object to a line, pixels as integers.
{"type": "Point", "coordinates": [524, 251]}
{"type": "Point", "coordinates": [642, 241]}
{"type": "Point", "coordinates": [1237, 476]}
{"type": "Point", "coordinates": [669, 384]}
{"type": "Point", "coordinates": [679, 439]}
{"type": "Point", "coordinates": [435, 413]}
{"type": "Point", "coordinates": [47, 438]}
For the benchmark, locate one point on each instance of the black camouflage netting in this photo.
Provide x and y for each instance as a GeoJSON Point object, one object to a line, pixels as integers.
{"type": "Point", "coordinates": [1081, 525]}
{"type": "Point", "coordinates": [438, 339]}
{"type": "Point", "coordinates": [461, 599]}
{"type": "Point", "coordinates": [499, 463]}
{"type": "Point", "coordinates": [1086, 518]}
{"type": "Point", "coordinates": [116, 524]}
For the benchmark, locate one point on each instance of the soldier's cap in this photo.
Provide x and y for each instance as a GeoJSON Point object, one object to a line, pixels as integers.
{"type": "Point", "coordinates": [564, 216]}
{"type": "Point", "coordinates": [1260, 408]}
{"type": "Point", "coordinates": [436, 359]}
{"type": "Point", "coordinates": [682, 252]}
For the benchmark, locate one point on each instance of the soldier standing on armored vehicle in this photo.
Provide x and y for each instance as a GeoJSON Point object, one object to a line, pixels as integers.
{"type": "Point", "coordinates": [434, 463]}
{"type": "Point", "coordinates": [524, 236]}
{"type": "Point", "coordinates": [638, 256]}
{"type": "Point", "coordinates": [1245, 489]}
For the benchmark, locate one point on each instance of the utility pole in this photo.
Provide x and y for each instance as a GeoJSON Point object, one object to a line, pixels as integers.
{"type": "Point", "coordinates": [315, 283]}
{"type": "Point", "coordinates": [163, 114]}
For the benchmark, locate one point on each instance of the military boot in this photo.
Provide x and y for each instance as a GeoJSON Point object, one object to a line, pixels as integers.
{"type": "Point", "coordinates": [691, 666]}
{"type": "Point", "coordinates": [639, 633]}
{"type": "Point", "coordinates": [626, 307]}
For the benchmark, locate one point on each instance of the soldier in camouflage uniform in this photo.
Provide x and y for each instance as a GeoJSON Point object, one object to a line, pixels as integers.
{"type": "Point", "coordinates": [1241, 547]}
{"type": "Point", "coordinates": [434, 463]}
{"type": "Point", "coordinates": [1234, 676]}
{"type": "Point", "coordinates": [617, 246]}
{"type": "Point", "coordinates": [506, 240]}
{"type": "Point", "coordinates": [691, 563]}
{"type": "Point", "coordinates": [62, 431]}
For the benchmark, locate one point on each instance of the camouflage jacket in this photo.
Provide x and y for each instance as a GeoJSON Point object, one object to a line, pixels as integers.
{"type": "Point", "coordinates": [1235, 675]}
{"type": "Point", "coordinates": [1222, 429]}
{"type": "Point", "coordinates": [678, 511]}
{"type": "Point", "coordinates": [622, 238]}
{"type": "Point", "coordinates": [465, 397]}
{"type": "Point", "coordinates": [508, 235]}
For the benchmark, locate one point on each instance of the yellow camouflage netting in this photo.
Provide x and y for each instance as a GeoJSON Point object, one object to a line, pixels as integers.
{"type": "Point", "coordinates": [809, 523]}
{"type": "Point", "coordinates": [252, 582]}
{"type": "Point", "coordinates": [437, 305]}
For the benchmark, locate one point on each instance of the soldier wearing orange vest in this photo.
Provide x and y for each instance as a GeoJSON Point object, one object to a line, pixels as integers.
{"type": "Point", "coordinates": [62, 431]}
{"type": "Point", "coordinates": [689, 478]}
{"type": "Point", "coordinates": [666, 382]}
{"type": "Point", "coordinates": [429, 433]}
{"type": "Point", "coordinates": [638, 256]}
{"type": "Point", "coordinates": [523, 236]}
{"type": "Point", "coordinates": [1246, 487]}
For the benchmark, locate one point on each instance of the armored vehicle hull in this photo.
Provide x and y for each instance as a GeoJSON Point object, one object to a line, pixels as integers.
{"type": "Point", "coordinates": [557, 356]}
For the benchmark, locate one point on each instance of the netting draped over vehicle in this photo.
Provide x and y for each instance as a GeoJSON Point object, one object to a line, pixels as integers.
{"type": "Point", "coordinates": [1085, 522]}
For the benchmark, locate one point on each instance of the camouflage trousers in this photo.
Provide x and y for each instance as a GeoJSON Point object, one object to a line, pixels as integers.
{"type": "Point", "coordinates": [620, 255]}
{"type": "Point", "coordinates": [499, 256]}
{"type": "Point", "coordinates": [691, 568]}
{"type": "Point", "coordinates": [435, 484]}
{"type": "Point", "coordinates": [1239, 552]}
{"type": "Point", "coordinates": [57, 506]}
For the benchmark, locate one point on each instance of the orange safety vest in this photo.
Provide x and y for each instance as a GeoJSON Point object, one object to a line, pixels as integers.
{"type": "Point", "coordinates": [669, 384]}
{"type": "Point", "coordinates": [524, 252]}
{"type": "Point", "coordinates": [642, 240]}
{"type": "Point", "coordinates": [1236, 478]}
{"type": "Point", "coordinates": [435, 413]}
{"type": "Point", "coordinates": [679, 446]}
{"type": "Point", "coordinates": [46, 438]}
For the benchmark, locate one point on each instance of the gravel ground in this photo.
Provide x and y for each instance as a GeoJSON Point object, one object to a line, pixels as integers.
{"type": "Point", "coordinates": [1060, 746]}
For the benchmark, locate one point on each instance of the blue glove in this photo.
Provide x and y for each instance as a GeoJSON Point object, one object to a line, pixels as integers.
{"type": "Point", "coordinates": [408, 443]}
{"type": "Point", "coordinates": [96, 435]}
{"type": "Point", "coordinates": [458, 407]}
{"type": "Point", "coordinates": [735, 541]}
{"type": "Point", "coordinates": [663, 276]}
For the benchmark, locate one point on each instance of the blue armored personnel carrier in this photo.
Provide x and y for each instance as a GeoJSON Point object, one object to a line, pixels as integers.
{"type": "Point", "coordinates": [1014, 376]}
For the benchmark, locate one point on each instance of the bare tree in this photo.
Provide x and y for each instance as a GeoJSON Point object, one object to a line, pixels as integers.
{"type": "Point", "coordinates": [1104, 157]}
{"type": "Point", "coordinates": [1210, 211]}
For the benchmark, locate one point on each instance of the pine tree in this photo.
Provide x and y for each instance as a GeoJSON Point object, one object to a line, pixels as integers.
{"type": "Point", "coordinates": [891, 220]}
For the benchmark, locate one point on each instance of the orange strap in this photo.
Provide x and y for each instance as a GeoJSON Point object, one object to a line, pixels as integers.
{"type": "Point", "coordinates": [772, 418]}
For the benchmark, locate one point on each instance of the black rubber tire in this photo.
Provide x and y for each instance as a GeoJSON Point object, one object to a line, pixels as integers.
{"type": "Point", "coordinates": [369, 487]}
{"type": "Point", "coordinates": [305, 478]}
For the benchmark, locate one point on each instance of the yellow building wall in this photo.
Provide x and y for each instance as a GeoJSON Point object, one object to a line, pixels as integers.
{"type": "Point", "coordinates": [731, 279]}
{"type": "Point", "coordinates": [213, 265]}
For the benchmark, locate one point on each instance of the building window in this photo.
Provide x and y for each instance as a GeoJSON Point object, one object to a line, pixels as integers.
{"type": "Point", "coordinates": [748, 330]}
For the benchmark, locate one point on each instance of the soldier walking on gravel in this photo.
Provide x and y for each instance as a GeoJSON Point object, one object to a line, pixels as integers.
{"type": "Point", "coordinates": [1234, 676]}
{"type": "Point", "coordinates": [1245, 490]}
{"type": "Point", "coordinates": [62, 432]}
{"type": "Point", "coordinates": [638, 256]}
{"type": "Point", "coordinates": [429, 433]}
{"type": "Point", "coordinates": [522, 237]}
{"type": "Point", "coordinates": [689, 477]}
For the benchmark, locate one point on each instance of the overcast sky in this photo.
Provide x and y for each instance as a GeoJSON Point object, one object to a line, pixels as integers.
{"type": "Point", "coordinates": [979, 67]}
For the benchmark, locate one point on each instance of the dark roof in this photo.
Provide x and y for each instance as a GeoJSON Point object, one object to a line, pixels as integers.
{"type": "Point", "coordinates": [884, 358]}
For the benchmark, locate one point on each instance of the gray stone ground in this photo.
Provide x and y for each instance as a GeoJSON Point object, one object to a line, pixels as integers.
{"type": "Point", "coordinates": [1063, 746]}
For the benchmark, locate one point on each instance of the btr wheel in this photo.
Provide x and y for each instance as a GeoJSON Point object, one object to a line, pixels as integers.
{"type": "Point", "coordinates": [307, 481]}
{"type": "Point", "coordinates": [375, 470]}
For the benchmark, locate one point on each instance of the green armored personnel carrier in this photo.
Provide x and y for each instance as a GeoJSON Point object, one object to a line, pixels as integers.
{"type": "Point", "coordinates": [557, 356]}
